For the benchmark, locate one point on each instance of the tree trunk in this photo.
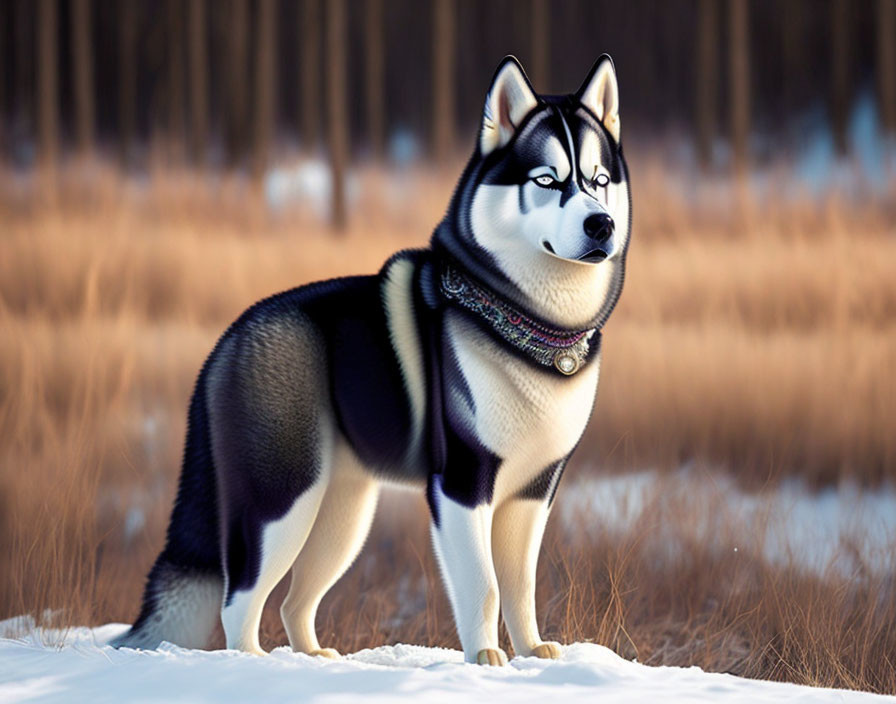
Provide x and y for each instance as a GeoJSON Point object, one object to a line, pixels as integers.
{"type": "Point", "coordinates": [5, 12]}
{"type": "Point", "coordinates": [541, 45]}
{"type": "Point", "coordinates": [886, 63]}
{"type": "Point", "coordinates": [309, 65]}
{"type": "Point", "coordinates": [840, 73]}
{"type": "Point", "coordinates": [198, 81]}
{"type": "Point", "coordinates": [265, 47]}
{"type": "Point", "coordinates": [82, 75]}
{"type": "Point", "coordinates": [374, 76]}
{"type": "Point", "coordinates": [24, 102]}
{"type": "Point", "coordinates": [739, 80]}
{"type": "Point", "coordinates": [127, 80]}
{"type": "Point", "coordinates": [336, 108]}
{"type": "Point", "coordinates": [48, 93]}
{"type": "Point", "coordinates": [707, 79]}
{"type": "Point", "coordinates": [237, 80]}
{"type": "Point", "coordinates": [175, 80]}
{"type": "Point", "coordinates": [792, 56]}
{"type": "Point", "coordinates": [443, 79]}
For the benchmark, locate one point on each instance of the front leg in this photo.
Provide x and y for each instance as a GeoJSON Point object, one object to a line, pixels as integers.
{"type": "Point", "coordinates": [516, 539]}
{"type": "Point", "coordinates": [462, 539]}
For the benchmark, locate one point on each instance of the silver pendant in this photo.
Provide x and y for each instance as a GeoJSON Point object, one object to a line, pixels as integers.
{"type": "Point", "coordinates": [566, 362]}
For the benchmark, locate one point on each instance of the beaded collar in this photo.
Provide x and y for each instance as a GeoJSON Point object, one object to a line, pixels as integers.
{"type": "Point", "coordinates": [564, 350]}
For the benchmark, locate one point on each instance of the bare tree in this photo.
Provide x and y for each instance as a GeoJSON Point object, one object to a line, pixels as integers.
{"type": "Point", "coordinates": [707, 79]}
{"type": "Point", "coordinates": [5, 11]}
{"type": "Point", "coordinates": [793, 41]}
{"type": "Point", "coordinates": [237, 95]}
{"type": "Point", "coordinates": [886, 62]}
{"type": "Point", "coordinates": [443, 78]}
{"type": "Point", "coordinates": [127, 79]}
{"type": "Point", "coordinates": [541, 44]}
{"type": "Point", "coordinates": [309, 65]}
{"type": "Point", "coordinates": [337, 123]}
{"type": "Point", "coordinates": [82, 75]}
{"type": "Point", "coordinates": [840, 26]}
{"type": "Point", "coordinates": [374, 76]}
{"type": "Point", "coordinates": [265, 47]}
{"type": "Point", "coordinates": [739, 81]}
{"type": "Point", "coordinates": [198, 80]}
{"type": "Point", "coordinates": [175, 79]}
{"type": "Point", "coordinates": [48, 93]}
{"type": "Point", "coordinates": [24, 75]}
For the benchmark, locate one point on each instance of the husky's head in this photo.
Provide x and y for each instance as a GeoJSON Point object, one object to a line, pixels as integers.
{"type": "Point", "coordinates": [542, 211]}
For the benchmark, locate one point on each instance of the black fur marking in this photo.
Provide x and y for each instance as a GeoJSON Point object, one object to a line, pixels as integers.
{"type": "Point", "coordinates": [560, 469]}
{"type": "Point", "coordinates": [465, 469]}
{"type": "Point", "coordinates": [470, 467]}
{"type": "Point", "coordinates": [540, 486]}
{"type": "Point", "coordinates": [192, 538]}
{"type": "Point", "coordinates": [275, 370]}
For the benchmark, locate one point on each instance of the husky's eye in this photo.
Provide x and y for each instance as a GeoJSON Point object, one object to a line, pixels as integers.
{"type": "Point", "coordinates": [599, 180]}
{"type": "Point", "coordinates": [545, 180]}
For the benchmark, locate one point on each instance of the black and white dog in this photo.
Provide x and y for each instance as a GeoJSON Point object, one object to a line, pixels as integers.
{"type": "Point", "coordinates": [469, 369]}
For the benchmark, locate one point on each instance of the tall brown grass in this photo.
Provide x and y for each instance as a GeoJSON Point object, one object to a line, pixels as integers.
{"type": "Point", "coordinates": [764, 344]}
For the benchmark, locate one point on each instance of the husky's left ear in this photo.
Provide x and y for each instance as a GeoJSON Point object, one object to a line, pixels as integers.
{"type": "Point", "coordinates": [600, 94]}
{"type": "Point", "coordinates": [509, 100]}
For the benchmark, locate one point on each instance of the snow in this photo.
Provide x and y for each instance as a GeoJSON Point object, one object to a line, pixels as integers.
{"type": "Point", "coordinates": [846, 529]}
{"type": "Point", "coordinates": [76, 665]}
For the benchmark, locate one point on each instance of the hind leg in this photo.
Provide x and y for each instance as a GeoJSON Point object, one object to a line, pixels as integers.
{"type": "Point", "coordinates": [271, 438]}
{"type": "Point", "coordinates": [337, 537]}
{"type": "Point", "coordinates": [280, 542]}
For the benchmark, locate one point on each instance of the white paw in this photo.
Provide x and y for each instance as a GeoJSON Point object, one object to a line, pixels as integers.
{"type": "Point", "coordinates": [549, 651]}
{"type": "Point", "coordinates": [329, 653]}
{"type": "Point", "coordinates": [492, 656]}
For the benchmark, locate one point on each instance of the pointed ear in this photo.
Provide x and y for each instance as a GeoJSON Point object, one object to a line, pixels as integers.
{"type": "Point", "coordinates": [509, 100]}
{"type": "Point", "coordinates": [600, 94]}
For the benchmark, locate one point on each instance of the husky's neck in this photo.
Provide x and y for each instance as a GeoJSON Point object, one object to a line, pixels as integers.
{"type": "Point", "coordinates": [564, 350]}
{"type": "Point", "coordinates": [563, 295]}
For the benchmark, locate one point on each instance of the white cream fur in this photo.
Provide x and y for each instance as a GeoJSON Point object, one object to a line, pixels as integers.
{"type": "Point", "coordinates": [528, 419]}
{"type": "Point", "coordinates": [517, 529]}
{"type": "Point", "coordinates": [399, 305]}
{"type": "Point", "coordinates": [462, 543]}
{"type": "Point", "coordinates": [337, 537]}
{"type": "Point", "coordinates": [280, 543]}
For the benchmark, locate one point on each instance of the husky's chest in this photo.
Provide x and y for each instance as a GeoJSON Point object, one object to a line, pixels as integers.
{"type": "Point", "coordinates": [529, 417]}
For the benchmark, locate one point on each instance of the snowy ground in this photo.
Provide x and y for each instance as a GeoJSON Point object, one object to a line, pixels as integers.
{"type": "Point", "coordinates": [83, 669]}
{"type": "Point", "coordinates": [841, 529]}
{"type": "Point", "coordinates": [844, 529]}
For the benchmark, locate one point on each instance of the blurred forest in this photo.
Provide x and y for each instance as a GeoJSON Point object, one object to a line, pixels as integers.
{"type": "Point", "coordinates": [222, 84]}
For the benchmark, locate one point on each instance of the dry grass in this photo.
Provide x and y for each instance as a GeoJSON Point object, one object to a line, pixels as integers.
{"type": "Point", "coordinates": [765, 344]}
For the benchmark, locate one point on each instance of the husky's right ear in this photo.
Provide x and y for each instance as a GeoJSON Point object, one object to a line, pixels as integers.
{"type": "Point", "coordinates": [600, 94]}
{"type": "Point", "coordinates": [509, 100]}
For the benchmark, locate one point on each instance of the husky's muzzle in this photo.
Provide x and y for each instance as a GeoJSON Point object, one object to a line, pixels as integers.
{"type": "Point", "coordinates": [599, 228]}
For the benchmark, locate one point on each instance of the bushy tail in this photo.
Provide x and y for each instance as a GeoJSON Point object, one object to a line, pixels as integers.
{"type": "Point", "coordinates": [178, 606]}
{"type": "Point", "coordinates": [184, 590]}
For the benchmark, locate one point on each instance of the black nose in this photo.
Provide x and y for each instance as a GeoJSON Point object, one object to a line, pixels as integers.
{"type": "Point", "coordinates": [599, 226]}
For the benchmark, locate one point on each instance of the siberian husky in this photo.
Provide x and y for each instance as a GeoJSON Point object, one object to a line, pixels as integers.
{"type": "Point", "coordinates": [468, 369]}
